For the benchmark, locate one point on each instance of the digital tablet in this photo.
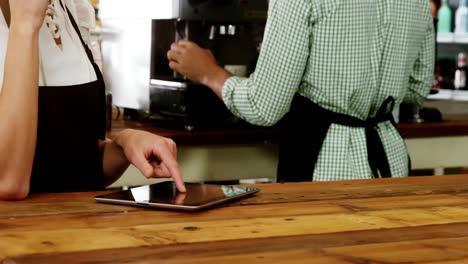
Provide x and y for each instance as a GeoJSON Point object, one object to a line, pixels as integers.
{"type": "Point", "coordinates": [165, 196]}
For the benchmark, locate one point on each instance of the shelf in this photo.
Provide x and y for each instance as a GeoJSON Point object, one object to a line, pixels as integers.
{"type": "Point", "coordinates": [451, 38]}
{"type": "Point", "coordinates": [450, 95]}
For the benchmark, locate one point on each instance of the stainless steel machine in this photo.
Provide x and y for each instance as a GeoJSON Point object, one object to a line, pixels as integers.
{"type": "Point", "coordinates": [137, 36]}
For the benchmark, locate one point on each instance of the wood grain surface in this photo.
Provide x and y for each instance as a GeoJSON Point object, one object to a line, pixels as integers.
{"type": "Point", "coordinates": [412, 220]}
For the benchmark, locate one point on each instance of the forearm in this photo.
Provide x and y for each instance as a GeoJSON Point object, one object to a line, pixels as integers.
{"type": "Point", "coordinates": [114, 161]}
{"type": "Point", "coordinates": [18, 112]}
{"type": "Point", "coordinates": [265, 97]}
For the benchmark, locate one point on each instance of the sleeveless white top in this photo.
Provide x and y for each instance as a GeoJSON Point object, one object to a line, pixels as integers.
{"type": "Point", "coordinates": [63, 65]}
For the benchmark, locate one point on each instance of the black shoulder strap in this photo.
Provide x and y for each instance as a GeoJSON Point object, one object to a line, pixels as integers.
{"type": "Point", "coordinates": [103, 124]}
{"type": "Point", "coordinates": [77, 29]}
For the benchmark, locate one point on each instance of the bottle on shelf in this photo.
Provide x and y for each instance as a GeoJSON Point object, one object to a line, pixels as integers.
{"type": "Point", "coordinates": [460, 73]}
{"type": "Point", "coordinates": [461, 18]}
{"type": "Point", "coordinates": [445, 18]}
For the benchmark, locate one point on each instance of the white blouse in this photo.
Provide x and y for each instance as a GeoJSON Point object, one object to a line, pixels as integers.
{"type": "Point", "coordinates": [65, 64]}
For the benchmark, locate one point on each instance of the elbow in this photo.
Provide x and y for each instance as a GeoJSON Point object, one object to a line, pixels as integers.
{"type": "Point", "coordinates": [414, 99]}
{"type": "Point", "coordinates": [269, 122]}
{"type": "Point", "coordinates": [268, 119]}
{"type": "Point", "coordinates": [262, 120]}
{"type": "Point", "coordinates": [263, 116]}
{"type": "Point", "coordinates": [13, 191]}
{"type": "Point", "coordinates": [417, 96]}
{"type": "Point", "coordinates": [14, 194]}
{"type": "Point", "coordinates": [259, 113]}
{"type": "Point", "coordinates": [265, 121]}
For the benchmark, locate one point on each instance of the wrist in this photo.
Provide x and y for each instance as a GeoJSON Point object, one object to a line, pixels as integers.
{"type": "Point", "coordinates": [122, 137]}
{"type": "Point", "coordinates": [216, 79]}
{"type": "Point", "coordinates": [23, 29]}
{"type": "Point", "coordinates": [111, 146]}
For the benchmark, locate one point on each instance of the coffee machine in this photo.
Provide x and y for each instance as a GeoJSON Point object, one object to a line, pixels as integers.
{"type": "Point", "coordinates": [137, 36]}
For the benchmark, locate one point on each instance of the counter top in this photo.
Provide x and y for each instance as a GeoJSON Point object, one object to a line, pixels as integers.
{"type": "Point", "coordinates": [271, 135]}
{"type": "Point", "coordinates": [411, 220]}
{"type": "Point", "coordinates": [209, 137]}
{"type": "Point", "coordinates": [436, 129]}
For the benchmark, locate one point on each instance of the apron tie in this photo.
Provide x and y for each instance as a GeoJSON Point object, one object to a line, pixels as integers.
{"type": "Point", "coordinates": [378, 160]}
{"type": "Point", "coordinates": [301, 141]}
{"type": "Point", "coordinates": [377, 156]}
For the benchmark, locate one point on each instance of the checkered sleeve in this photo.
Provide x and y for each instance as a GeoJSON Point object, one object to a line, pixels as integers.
{"type": "Point", "coordinates": [423, 71]}
{"type": "Point", "coordinates": [265, 97]}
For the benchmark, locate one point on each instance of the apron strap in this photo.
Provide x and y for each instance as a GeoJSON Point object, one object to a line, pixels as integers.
{"type": "Point", "coordinates": [78, 32]}
{"type": "Point", "coordinates": [103, 116]}
{"type": "Point", "coordinates": [301, 142]}
{"type": "Point", "coordinates": [377, 156]}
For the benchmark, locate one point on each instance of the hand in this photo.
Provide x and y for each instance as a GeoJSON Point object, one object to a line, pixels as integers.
{"type": "Point", "coordinates": [434, 9]}
{"type": "Point", "coordinates": [153, 155]}
{"type": "Point", "coordinates": [28, 14]}
{"type": "Point", "coordinates": [197, 64]}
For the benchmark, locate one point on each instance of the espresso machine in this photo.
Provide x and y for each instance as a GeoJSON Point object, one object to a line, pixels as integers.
{"type": "Point", "coordinates": [137, 36]}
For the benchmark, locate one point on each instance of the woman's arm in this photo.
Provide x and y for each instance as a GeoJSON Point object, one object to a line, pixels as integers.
{"type": "Point", "coordinates": [19, 98]}
{"type": "Point", "coordinates": [114, 162]}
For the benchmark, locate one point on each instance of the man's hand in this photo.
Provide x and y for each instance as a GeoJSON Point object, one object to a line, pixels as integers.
{"type": "Point", "coordinates": [154, 156]}
{"type": "Point", "coordinates": [197, 64]}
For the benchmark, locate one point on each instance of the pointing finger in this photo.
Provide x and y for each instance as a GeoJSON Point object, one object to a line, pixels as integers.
{"type": "Point", "coordinates": [169, 161]}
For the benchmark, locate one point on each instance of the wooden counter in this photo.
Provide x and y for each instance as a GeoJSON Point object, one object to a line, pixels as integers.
{"type": "Point", "coordinates": [428, 130]}
{"type": "Point", "coordinates": [251, 135]}
{"type": "Point", "coordinates": [260, 135]}
{"type": "Point", "coordinates": [234, 154]}
{"type": "Point", "coordinates": [412, 220]}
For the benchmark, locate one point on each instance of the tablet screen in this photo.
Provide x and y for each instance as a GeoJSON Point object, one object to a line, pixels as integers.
{"type": "Point", "coordinates": [165, 194]}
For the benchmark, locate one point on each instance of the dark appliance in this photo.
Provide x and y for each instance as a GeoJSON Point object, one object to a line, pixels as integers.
{"type": "Point", "coordinates": [231, 29]}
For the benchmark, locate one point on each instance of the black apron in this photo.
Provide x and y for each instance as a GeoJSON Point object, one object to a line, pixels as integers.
{"type": "Point", "coordinates": [304, 129]}
{"type": "Point", "coordinates": [71, 121]}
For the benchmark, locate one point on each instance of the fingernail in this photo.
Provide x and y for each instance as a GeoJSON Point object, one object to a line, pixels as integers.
{"type": "Point", "coordinates": [149, 173]}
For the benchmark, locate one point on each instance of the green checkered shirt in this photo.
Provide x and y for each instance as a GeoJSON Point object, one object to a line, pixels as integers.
{"type": "Point", "coordinates": [347, 56]}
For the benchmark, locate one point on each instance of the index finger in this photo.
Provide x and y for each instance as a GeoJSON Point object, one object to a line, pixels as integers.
{"type": "Point", "coordinates": [176, 47]}
{"type": "Point", "coordinates": [168, 159]}
{"type": "Point", "coordinates": [186, 43]}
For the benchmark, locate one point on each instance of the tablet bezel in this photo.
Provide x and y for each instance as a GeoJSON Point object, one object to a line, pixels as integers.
{"type": "Point", "coordinates": [105, 199]}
